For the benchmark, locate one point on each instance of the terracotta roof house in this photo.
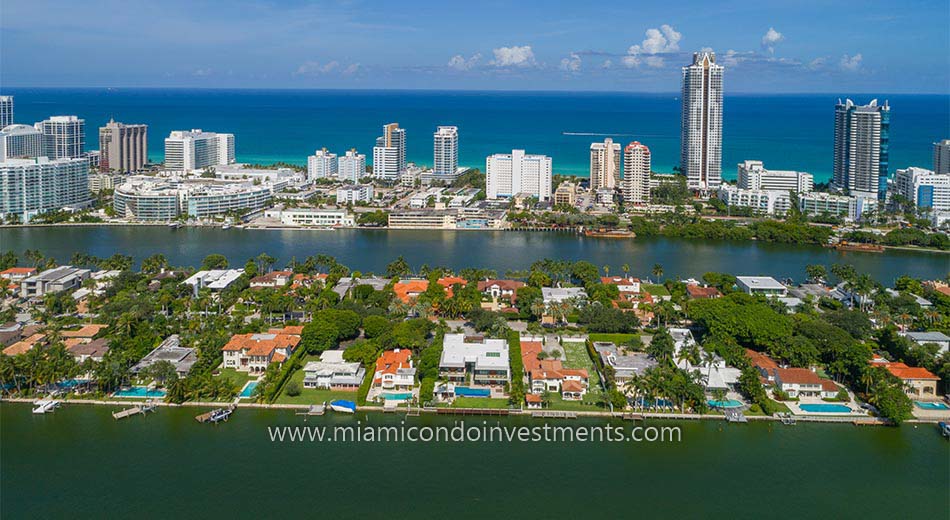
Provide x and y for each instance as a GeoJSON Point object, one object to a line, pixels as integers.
{"type": "Point", "coordinates": [24, 345]}
{"type": "Point", "coordinates": [254, 352]}
{"type": "Point", "coordinates": [95, 350]}
{"type": "Point", "coordinates": [697, 292]}
{"type": "Point", "coordinates": [407, 291]}
{"type": "Point", "coordinates": [533, 400]}
{"type": "Point", "coordinates": [271, 279]}
{"type": "Point", "coordinates": [394, 370]}
{"type": "Point", "coordinates": [763, 363]}
{"type": "Point", "coordinates": [918, 382]}
{"type": "Point", "coordinates": [802, 382]}
{"type": "Point", "coordinates": [549, 375]}
{"type": "Point", "coordinates": [88, 331]}
{"type": "Point", "coordinates": [624, 284]}
{"type": "Point", "coordinates": [503, 293]}
{"type": "Point", "coordinates": [15, 274]}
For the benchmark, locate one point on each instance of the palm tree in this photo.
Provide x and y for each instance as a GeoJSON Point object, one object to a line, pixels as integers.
{"type": "Point", "coordinates": [657, 271]}
{"type": "Point", "coordinates": [626, 270]}
{"type": "Point", "coordinates": [606, 270]}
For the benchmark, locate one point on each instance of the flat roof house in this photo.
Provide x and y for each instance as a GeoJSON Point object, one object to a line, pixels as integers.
{"type": "Point", "coordinates": [333, 373]}
{"type": "Point", "coordinates": [765, 285]}
{"type": "Point", "coordinates": [215, 279]}
{"type": "Point", "coordinates": [922, 338]}
{"type": "Point", "coordinates": [169, 350]}
{"type": "Point", "coordinates": [485, 361]}
{"type": "Point", "coordinates": [560, 294]}
{"type": "Point", "coordinates": [253, 353]}
{"type": "Point", "coordinates": [625, 365]}
{"type": "Point", "coordinates": [59, 279]}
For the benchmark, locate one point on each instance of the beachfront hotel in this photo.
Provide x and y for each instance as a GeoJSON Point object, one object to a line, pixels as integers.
{"type": "Point", "coordinates": [322, 165]}
{"type": "Point", "coordinates": [604, 165]}
{"type": "Point", "coordinates": [752, 175]}
{"type": "Point", "coordinates": [197, 149]}
{"type": "Point", "coordinates": [6, 111]}
{"type": "Point", "coordinates": [123, 148]}
{"type": "Point", "coordinates": [64, 137]}
{"type": "Point", "coordinates": [445, 151]}
{"type": "Point", "coordinates": [389, 154]}
{"type": "Point", "coordinates": [33, 186]}
{"type": "Point", "coordinates": [517, 173]}
{"type": "Point", "coordinates": [636, 174]}
{"type": "Point", "coordinates": [21, 142]}
{"type": "Point", "coordinates": [701, 139]}
{"type": "Point", "coordinates": [861, 148]}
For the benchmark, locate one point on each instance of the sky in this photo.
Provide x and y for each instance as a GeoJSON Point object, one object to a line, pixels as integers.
{"type": "Point", "coordinates": [788, 46]}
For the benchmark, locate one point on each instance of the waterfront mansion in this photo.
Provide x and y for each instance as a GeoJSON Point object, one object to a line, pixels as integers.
{"type": "Point", "coordinates": [253, 353]}
{"type": "Point", "coordinates": [474, 359]}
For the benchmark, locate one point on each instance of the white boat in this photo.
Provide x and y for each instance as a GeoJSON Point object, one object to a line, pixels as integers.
{"type": "Point", "coordinates": [45, 406]}
{"type": "Point", "coordinates": [226, 226]}
{"type": "Point", "coordinates": [342, 405]}
{"type": "Point", "coordinates": [174, 225]}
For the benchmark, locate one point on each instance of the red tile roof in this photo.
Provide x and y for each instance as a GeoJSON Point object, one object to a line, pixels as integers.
{"type": "Point", "coordinates": [260, 346]}
{"type": "Point", "coordinates": [533, 398]}
{"type": "Point", "coordinates": [800, 376]}
{"type": "Point", "coordinates": [907, 373]}
{"type": "Point", "coordinates": [17, 271]}
{"type": "Point", "coordinates": [86, 331]}
{"type": "Point", "coordinates": [760, 360]}
{"type": "Point", "coordinates": [393, 360]}
{"type": "Point", "coordinates": [696, 292]}
{"type": "Point", "coordinates": [408, 290]}
{"type": "Point", "coordinates": [572, 386]}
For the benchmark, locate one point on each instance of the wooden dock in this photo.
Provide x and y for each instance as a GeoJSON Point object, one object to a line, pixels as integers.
{"type": "Point", "coordinates": [553, 414]}
{"type": "Point", "coordinates": [128, 412]}
{"type": "Point", "coordinates": [315, 409]}
{"type": "Point", "coordinates": [472, 411]}
{"type": "Point", "coordinates": [215, 416]}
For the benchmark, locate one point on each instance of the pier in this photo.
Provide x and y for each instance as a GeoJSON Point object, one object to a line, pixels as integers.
{"type": "Point", "coordinates": [472, 411]}
{"type": "Point", "coordinates": [553, 414]}
{"type": "Point", "coordinates": [215, 416]}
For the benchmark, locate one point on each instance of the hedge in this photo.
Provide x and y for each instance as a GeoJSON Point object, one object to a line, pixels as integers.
{"type": "Point", "coordinates": [517, 368]}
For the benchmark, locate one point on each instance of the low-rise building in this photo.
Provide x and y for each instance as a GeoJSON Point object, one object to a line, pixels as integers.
{"type": "Point", "coordinates": [550, 375]}
{"type": "Point", "coordinates": [764, 364]}
{"type": "Point", "coordinates": [182, 358]}
{"type": "Point", "coordinates": [54, 280]}
{"type": "Point", "coordinates": [271, 280]}
{"type": "Point", "coordinates": [24, 345]}
{"type": "Point", "coordinates": [253, 352]}
{"type": "Point", "coordinates": [700, 292]}
{"type": "Point", "coordinates": [802, 382]}
{"type": "Point", "coordinates": [765, 285]}
{"type": "Point", "coordinates": [354, 194]}
{"type": "Point", "coordinates": [561, 294]}
{"type": "Point", "coordinates": [932, 337]}
{"type": "Point", "coordinates": [565, 194]}
{"type": "Point", "coordinates": [479, 360]}
{"type": "Point", "coordinates": [918, 382]}
{"type": "Point", "coordinates": [625, 365]}
{"type": "Point", "coordinates": [761, 202]}
{"type": "Point", "coordinates": [312, 217]}
{"type": "Point", "coordinates": [503, 293]}
{"type": "Point", "coordinates": [215, 279]}
{"type": "Point", "coordinates": [16, 274]}
{"type": "Point", "coordinates": [333, 373]}
{"type": "Point", "coordinates": [394, 370]}
{"type": "Point", "coordinates": [95, 350]}
{"type": "Point", "coordinates": [851, 208]}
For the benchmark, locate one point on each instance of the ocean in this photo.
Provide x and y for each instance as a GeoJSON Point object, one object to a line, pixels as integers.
{"type": "Point", "coordinates": [785, 131]}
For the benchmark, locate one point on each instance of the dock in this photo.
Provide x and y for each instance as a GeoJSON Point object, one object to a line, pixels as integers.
{"type": "Point", "coordinates": [472, 411]}
{"type": "Point", "coordinates": [215, 416]}
{"type": "Point", "coordinates": [632, 417]}
{"type": "Point", "coordinates": [143, 409]}
{"type": "Point", "coordinates": [553, 414]}
{"type": "Point", "coordinates": [390, 406]}
{"type": "Point", "coordinates": [315, 409]}
{"type": "Point", "coordinates": [735, 416]}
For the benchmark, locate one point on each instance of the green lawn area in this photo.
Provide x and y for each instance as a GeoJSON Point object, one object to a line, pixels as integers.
{"type": "Point", "coordinates": [655, 290]}
{"type": "Point", "coordinates": [577, 357]}
{"type": "Point", "coordinates": [238, 378]}
{"type": "Point", "coordinates": [557, 403]}
{"type": "Point", "coordinates": [616, 339]}
{"type": "Point", "coordinates": [479, 402]}
{"type": "Point", "coordinates": [311, 395]}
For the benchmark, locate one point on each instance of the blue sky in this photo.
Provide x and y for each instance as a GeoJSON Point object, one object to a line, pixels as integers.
{"type": "Point", "coordinates": [791, 46]}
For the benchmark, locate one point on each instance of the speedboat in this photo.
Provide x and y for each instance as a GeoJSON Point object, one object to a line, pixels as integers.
{"type": "Point", "coordinates": [45, 406]}
{"type": "Point", "coordinates": [342, 405]}
{"type": "Point", "coordinates": [944, 429]}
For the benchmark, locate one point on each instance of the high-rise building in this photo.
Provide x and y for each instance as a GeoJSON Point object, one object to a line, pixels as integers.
{"type": "Point", "coordinates": [926, 189]}
{"type": "Point", "coordinates": [6, 111]}
{"type": "Point", "coordinates": [21, 141]}
{"type": "Point", "coordinates": [122, 148]}
{"type": "Point", "coordinates": [64, 137]}
{"type": "Point", "coordinates": [752, 175]}
{"type": "Point", "coordinates": [322, 165]}
{"type": "Point", "coordinates": [33, 186]}
{"type": "Point", "coordinates": [445, 150]}
{"type": "Point", "coordinates": [389, 154]}
{"type": "Point", "coordinates": [636, 174]}
{"type": "Point", "coordinates": [942, 157]}
{"type": "Point", "coordinates": [352, 166]}
{"type": "Point", "coordinates": [197, 149]}
{"type": "Point", "coordinates": [701, 133]}
{"type": "Point", "coordinates": [862, 135]}
{"type": "Point", "coordinates": [517, 173]}
{"type": "Point", "coordinates": [604, 165]}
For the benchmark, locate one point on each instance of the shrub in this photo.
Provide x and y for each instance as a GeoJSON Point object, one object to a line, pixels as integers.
{"type": "Point", "coordinates": [292, 389]}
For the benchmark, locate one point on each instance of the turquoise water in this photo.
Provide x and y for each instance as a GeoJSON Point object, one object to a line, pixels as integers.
{"type": "Point", "coordinates": [785, 131]}
{"type": "Point", "coordinates": [464, 391]}
{"type": "Point", "coordinates": [139, 391]}
{"type": "Point", "coordinates": [924, 405]}
{"type": "Point", "coordinates": [729, 403]}
{"type": "Point", "coordinates": [397, 396]}
{"type": "Point", "coordinates": [248, 390]}
{"type": "Point", "coordinates": [825, 408]}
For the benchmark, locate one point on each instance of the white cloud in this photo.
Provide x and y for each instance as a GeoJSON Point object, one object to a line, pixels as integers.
{"type": "Point", "coordinates": [514, 57]}
{"type": "Point", "coordinates": [731, 58]}
{"type": "Point", "coordinates": [771, 39]}
{"type": "Point", "coordinates": [458, 62]}
{"type": "Point", "coordinates": [817, 63]}
{"type": "Point", "coordinates": [658, 41]}
{"type": "Point", "coordinates": [607, 64]}
{"type": "Point", "coordinates": [351, 69]}
{"type": "Point", "coordinates": [202, 73]}
{"type": "Point", "coordinates": [313, 68]}
{"type": "Point", "coordinates": [851, 63]}
{"type": "Point", "coordinates": [571, 64]}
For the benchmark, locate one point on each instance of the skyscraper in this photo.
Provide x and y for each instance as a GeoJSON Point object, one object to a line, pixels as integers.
{"type": "Point", "coordinates": [445, 150]}
{"type": "Point", "coordinates": [636, 174]}
{"type": "Point", "coordinates": [322, 165]}
{"type": "Point", "coordinates": [861, 148]}
{"type": "Point", "coordinates": [604, 165]}
{"type": "Point", "coordinates": [122, 148]}
{"type": "Point", "coordinates": [6, 111]}
{"type": "Point", "coordinates": [21, 141]}
{"type": "Point", "coordinates": [197, 149]}
{"type": "Point", "coordinates": [701, 136]}
{"type": "Point", "coordinates": [352, 166]}
{"type": "Point", "coordinates": [64, 137]}
{"type": "Point", "coordinates": [507, 175]}
{"type": "Point", "coordinates": [389, 154]}
{"type": "Point", "coordinates": [38, 185]}
{"type": "Point", "coordinates": [942, 157]}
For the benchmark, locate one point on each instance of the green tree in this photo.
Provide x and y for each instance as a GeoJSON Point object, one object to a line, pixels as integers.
{"type": "Point", "coordinates": [214, 261]}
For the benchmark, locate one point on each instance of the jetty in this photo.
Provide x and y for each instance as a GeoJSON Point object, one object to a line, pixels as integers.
{"type": "Point", "coordinates": [632, 417]}
{"type": "Point", "coordinates": [143, 409]}
{"type": "Point", "coordinates": [315, 409]}
{"type": "Point", "coordinates": [553, 414]}
{"type": "Point", "coordinates": [472, 411]}
{"type": "Point", "coordinates": [735, 416]}
{"type": "Point", "coordinates": [215, 416]}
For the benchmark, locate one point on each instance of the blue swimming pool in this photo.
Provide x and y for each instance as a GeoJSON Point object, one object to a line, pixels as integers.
{"type": "Point", "coordinates": [71, 383]}
{"type": "Point", "coordinates": [729, 403]}
{"type": "Point", "coordinates": [397, 396]}
{"type": "Point", "coordinates": [139, 392]}
{"type": "Point", "coordinates": [464, 391]}
{"type": "Point", "coordinates": [661, 403]}
{"type": "Point", "coordinates": [824, 408]}
{"type": "Point", "coordinates": [925, 405]}
{"type": "Point", "coordinates": [248, 390]}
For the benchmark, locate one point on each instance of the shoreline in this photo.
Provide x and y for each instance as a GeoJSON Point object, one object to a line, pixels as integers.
{"type": "Point", "coordinates": [856, 421]}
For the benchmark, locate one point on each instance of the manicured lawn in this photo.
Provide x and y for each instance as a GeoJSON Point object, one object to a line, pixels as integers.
{"type": "Point", "coordinates": [479, 402]}
{"type": "Point", "coordinates": [577, 357]}
{"type": "Point", "coordinates": [238, 378]}
{"type": "Point", "coordinates": [557, 403]}
{"type": "Point", "coordinates": [616, 339]}
{"type": "Point", "coordinates": [655, 290]}
{"type": "Point", "coordinates": [310, 395]}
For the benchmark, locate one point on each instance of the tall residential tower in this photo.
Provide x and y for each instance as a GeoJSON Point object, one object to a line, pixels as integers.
{"type": "Point", "coordinates": [6, 111]}
{"type": "Point", "coordinates": [445, 150]}
{"type": "Point", "coordinates": [862, 135]}
{"type": "Point", "coordinates": [197, 149]}
{"type": "Point", "coordinates": [636, 174]}
{"type": "Point", "coordinates": [389, 154]}
{"type": "Point", "coordinates": [64, 136]}
{"type": "Point", "coordinates": [507, 175]}
{"type": "Point", "coordinates": [605, 165]}
{"type": "Point", "coordinates": [701, 135]}
{"type": "Point", "coordinates": [942, 157]}
{"type": "Point", "coordinates": [123, 148]}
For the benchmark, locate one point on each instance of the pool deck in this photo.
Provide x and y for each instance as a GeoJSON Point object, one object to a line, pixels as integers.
{"type": "Point", "coordinates": [856, 411]}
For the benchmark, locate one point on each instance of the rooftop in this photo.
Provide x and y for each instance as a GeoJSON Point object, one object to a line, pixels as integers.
{"type": "Point", "coordinates": [487, 354]}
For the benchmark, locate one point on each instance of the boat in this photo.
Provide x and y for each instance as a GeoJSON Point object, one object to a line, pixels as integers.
{"type": "Point", "coordinates": [944, 429]}
{"type": "Point", "coordinates": [609, 233]}
{"type": "Point", "coordinates": [226, 226]}
{"type": "Point", "coordinates": [174, 225]}
{"type": "Point", "coordinates": [45, 406]}
{"type": "Point", "coordinates": [858, 246]}
{"type": "Point", "coordinates": [221, 414]}
{"type": "Point", "coordinates": [342, 405]}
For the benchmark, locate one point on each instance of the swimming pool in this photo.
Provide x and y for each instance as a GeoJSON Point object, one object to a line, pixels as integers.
{"type": "Point", "coordinates": [71, 383]}
{"type": "Point", "coordinates": [139, 392]}
{"type": "Point", "coordinates": [464, 391]}
{"type": "Point", "coordinates": [248, 390]}
{"type": "Point", "coordinates": [729, 403]}
{"type": "Point", "coordinates": [824, 408]}
{"type": "Point", "coordinates": [926, 405]}
{"type": "Point", "coordinates": [397, 396]}
{"type": "Point", "coordinates": [644, 402]}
